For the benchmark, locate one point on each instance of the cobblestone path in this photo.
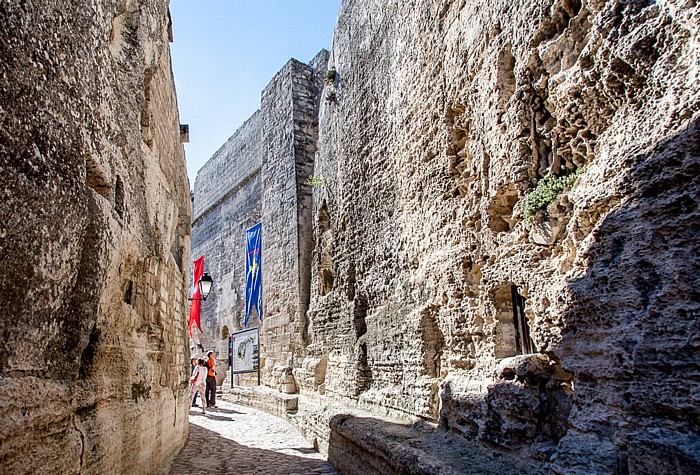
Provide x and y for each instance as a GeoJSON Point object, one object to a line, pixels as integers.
{"type": "Point", "coordinates": [240, 440]}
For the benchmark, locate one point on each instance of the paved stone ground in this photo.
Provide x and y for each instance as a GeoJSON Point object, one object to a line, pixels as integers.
{"type": "Point", "coordinates": [235, 439]}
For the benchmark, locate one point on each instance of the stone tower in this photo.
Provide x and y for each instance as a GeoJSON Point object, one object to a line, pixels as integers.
{"type": "Point", "coordinates": [261, 174]}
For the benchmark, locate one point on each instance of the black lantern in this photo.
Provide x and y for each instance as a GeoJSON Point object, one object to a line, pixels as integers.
{"type": "Point", "coordinates": [204, 285]}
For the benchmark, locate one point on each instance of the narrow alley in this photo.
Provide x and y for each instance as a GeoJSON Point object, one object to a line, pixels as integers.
{"type": "Point", "coordinates": [242, 440]}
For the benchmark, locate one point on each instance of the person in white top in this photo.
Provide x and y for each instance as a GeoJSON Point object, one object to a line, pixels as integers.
{"type": "Point", "coordinates": [199, 383]}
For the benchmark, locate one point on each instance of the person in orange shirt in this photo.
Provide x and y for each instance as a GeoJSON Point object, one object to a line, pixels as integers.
{"type": "Point", "coordinates": [210, 392]}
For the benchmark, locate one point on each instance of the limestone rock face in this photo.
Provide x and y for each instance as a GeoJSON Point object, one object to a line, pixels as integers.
{"type": "Point", "coordinates": [94, 239]}
{"type": "Point", "coordinates": [427, 279]}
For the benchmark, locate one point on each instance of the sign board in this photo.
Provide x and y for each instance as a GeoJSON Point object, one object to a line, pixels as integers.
{"type": "Point", "coordinates": [245, 351]}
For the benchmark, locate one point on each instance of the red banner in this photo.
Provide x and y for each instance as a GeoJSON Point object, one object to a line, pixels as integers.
{"type": "Point", "coordinates": [196, 304]}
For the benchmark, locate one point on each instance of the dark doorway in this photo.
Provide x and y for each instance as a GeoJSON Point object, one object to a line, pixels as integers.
{"type": "Point", "coordinates": [523, 342]}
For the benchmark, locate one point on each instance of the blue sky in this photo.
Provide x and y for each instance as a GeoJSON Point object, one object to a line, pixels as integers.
{"type": "Point", "coordinates": [226, 51]}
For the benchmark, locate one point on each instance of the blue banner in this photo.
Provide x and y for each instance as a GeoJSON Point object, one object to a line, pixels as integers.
{"type": "Point", "coordinates": [253, 281]}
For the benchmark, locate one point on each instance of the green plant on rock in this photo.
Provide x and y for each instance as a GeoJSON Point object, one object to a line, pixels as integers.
{"type": "Point", "coordinates": [546, 191]}
{"type": "Point", "coordinates": [315, 181]}
{"type": "Point", "coordinates": [330, 75]}
{"type": "Point", "coordinates": [330, 95]}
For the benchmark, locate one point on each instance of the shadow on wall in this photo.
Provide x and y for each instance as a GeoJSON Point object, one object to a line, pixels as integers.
{"type": "Point", "coordinates": [632, 334]}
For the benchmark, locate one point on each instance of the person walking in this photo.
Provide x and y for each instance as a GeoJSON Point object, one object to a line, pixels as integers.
{"type": "Point", "coordinates": [210, 393]}
{"type": "Point", "coordinates": [198, 380]}
{"type": "Point", "coordinates": [193, 363]}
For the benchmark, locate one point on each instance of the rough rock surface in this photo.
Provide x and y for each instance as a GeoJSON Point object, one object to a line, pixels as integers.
{"type": "Point", "coordinates": [94, 239]}
{"type": "Point", "coordinates": [505, 236]}
{"type": "Point", "coordinates": [446, 114]}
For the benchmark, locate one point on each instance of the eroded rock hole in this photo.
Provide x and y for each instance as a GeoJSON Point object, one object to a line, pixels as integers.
{"type": "Point", "coordinates": [500, 211]}
{"type": "Point", "coordinates": [352, 279]}
{"type": "Point", "coordinates": [458, 150]}
{"type": "Point", "coordinates": [432, 342]}
{"type": "Point", "coordinates": [505, 81]}
{"type": "Point", "coordinates": [558, 21]}
{"type": "Point", "coordinates": [363, 378]}
{"type": "Point", "coordinates": [119, 197]}
{"type": "Point", "coordinates": [359, 315]}
{"type": "Point", "coordinates": [324, 218]}
{"type": "Point", "coordinates": [326, 275]}
{"type": "Point", "coordinates": [320, 371]}
{"type": "Point", "coordinates": [95, 179]}
{"type": "Point", "coordinates": [87, 357]}
{"type": "Point", "coordinates": [129, 293]}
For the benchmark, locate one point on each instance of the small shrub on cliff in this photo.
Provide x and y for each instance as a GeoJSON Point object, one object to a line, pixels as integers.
{"type": "Point", "coordinates": [315, 181]}
{"type": "Point", "coordinates": [330, 76]}
{"type": "Point", "coordinates": [330, 95]}
{"type": "Point", "coordinates": [546, 191]}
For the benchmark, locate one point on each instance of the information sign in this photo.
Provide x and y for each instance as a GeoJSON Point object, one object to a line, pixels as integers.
{"type": "Point", "coordinates": [245, 351]}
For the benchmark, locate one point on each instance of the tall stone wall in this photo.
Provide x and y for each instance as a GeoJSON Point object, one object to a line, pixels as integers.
{"type": "Point", "coordinates": [261, 174]}
{"type": "Point", "coordinates": [227, 201]}
{"type": "Point", "coordinates": [94, 239]}
{"type": "Point", "coordinates": [290, 102]}
{"type": "Point", "coordinates": [446, 116]}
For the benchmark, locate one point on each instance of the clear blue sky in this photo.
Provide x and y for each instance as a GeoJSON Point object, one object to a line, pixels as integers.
{"type": "Point", "coordinates": [226, 51]}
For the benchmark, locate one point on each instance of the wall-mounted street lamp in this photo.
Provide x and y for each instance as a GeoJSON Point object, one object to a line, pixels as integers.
{"type": "Point", "coordinates": [204, 285]}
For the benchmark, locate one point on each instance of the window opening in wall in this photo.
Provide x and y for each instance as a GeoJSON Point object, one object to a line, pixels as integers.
{"type": "Point", "coordinates": [523, 341]}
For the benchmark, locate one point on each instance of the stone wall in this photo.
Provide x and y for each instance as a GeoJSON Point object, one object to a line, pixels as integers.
{"type": "Point", "coordinates": [446, 116]}
{"type": "Point", "coordinates": [94, 239]}
{"type": "Point", "coordinates": [227, 201]}
{"type": "Point", "coordinates": [261, 173]}
{"type": "Point", "coordinates": [504, 249]}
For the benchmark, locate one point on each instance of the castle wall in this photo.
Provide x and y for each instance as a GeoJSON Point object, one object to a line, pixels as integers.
{"type": "Point", "coordinates": [289, 103]}
{"type": "Point", "coordinates": [227, 201]}
{"type": "Point", "coordinates": [94, 241]}
{"type": "Point", "coordinates": [261, 174]}
{"type": "Point", "coordinates": [446, 115]}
